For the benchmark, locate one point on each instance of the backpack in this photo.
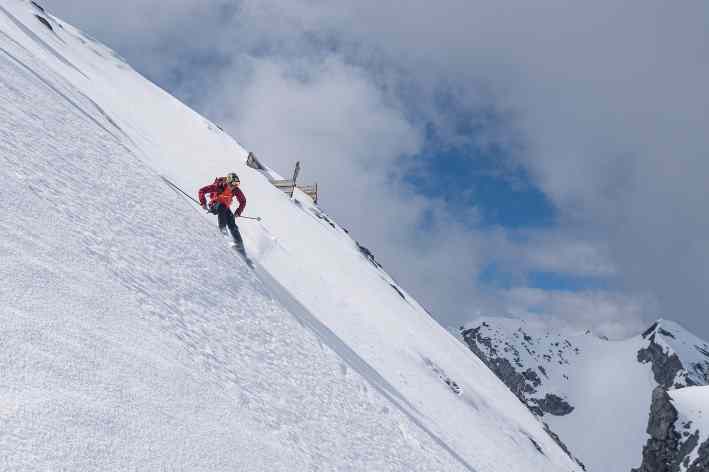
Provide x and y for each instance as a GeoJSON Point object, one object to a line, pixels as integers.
{"type": "Point", "coordinates": [221, 182]}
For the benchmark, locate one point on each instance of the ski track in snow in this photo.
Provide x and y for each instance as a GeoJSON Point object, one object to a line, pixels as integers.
{"type": "Point", "coordinates": [133, 338]}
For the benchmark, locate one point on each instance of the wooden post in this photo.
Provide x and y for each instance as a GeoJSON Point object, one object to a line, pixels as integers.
{"type": "Point", "coordinates": [296, 171]}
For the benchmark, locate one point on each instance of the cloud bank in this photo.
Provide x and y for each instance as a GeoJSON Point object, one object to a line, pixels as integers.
{"type": "Point", "coordinates": [604, 105]}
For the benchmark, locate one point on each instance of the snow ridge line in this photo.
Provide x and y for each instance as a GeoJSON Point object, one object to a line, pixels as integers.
{"type": "Point", "coordinates": [40, 41]}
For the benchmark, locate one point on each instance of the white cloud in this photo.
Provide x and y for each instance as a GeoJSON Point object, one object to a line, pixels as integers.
{"type": "Point", "coordinates": [604, 103]}
{"type": "Point", "coordinates": [565, 254]}
{"type": "Point", "coordinates": [612, 315]}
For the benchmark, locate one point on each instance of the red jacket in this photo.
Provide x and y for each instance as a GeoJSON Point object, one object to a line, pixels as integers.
{"type": "Point", "coordinates": [220, 192]}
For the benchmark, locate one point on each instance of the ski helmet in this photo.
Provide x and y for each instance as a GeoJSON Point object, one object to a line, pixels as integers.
{"type": "Point", "coordinates": [232, 178]}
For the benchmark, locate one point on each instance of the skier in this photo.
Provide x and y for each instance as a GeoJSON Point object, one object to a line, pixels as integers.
{"type": "Point", "coordinates": [221, 193]}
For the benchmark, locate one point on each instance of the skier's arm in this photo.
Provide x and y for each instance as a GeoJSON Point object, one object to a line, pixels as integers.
{"type": "Point", "coordinates": [207, 189]}
{"type": "Point", "coordinates": [242, 201]}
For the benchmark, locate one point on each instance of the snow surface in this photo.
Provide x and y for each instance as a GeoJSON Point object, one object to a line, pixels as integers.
{"type": "Point", "coordinates": [133, 338]}
{"type": "Point", "coordinates": [611, 393]}
{"type": "Point", "coordinates": [602, 380]}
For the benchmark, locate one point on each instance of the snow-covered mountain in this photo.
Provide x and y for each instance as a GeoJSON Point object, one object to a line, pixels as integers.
{"type": "Point", "coordinates": [132, 337]}
{"type": "Point", "coordinates": [598, 394]}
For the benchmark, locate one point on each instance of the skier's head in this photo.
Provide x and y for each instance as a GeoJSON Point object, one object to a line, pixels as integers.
{"type": "Point", "coordinates": [232, 179]}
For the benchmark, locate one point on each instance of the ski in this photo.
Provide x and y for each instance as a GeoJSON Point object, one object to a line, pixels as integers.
{"type": "Point", "coordinates": [242, 253]}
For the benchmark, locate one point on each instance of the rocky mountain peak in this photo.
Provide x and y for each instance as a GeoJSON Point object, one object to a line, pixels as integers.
{"type": "Point", "coordinates": [579, 383]}
{"type": "Point", "coordinates": [678, 358]}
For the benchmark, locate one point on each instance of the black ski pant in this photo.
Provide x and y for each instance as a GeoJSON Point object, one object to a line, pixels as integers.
{"type": "Point", "coordinates": [226, 219]}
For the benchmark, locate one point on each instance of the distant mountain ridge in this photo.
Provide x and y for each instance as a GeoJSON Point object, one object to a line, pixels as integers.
{"type": "Point", "coordinates": [581, 384]}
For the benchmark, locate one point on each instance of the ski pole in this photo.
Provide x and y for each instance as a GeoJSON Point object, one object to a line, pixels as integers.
{"type": "Point", "coordinates": [178, 189]}
{"type": "Point", "coordinates": [167, 181]}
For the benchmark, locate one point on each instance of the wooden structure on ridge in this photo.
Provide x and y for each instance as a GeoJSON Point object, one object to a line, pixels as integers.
{"type": "Point", "coordinates": [289, 185]}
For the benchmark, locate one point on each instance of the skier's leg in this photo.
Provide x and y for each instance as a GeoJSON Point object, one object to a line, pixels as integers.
{"type": "Point", "coordinates": [238, 242]}
{"type": "Point", "coordinates": [222, 211]}
{"type": "Point", "coordinates": [233, 228]}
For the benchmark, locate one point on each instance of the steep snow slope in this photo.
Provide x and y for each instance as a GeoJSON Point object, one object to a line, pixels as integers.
{"type": "Point", "coordinates": [593, 392]}
{"type": "Point", "coordinates": [132, 337]}
{"type": "Point", "coordinates": [128, 343]}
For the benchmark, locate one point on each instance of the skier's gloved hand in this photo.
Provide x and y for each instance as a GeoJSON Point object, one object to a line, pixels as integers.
{"type": "Point", "coordinates": [204, 207]}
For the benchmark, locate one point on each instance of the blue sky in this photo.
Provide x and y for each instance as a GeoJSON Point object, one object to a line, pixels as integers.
{"type": "Point", "coordinates": [467, 178]}
{"type": "Point", "coordinates": [493, 275]}
{"type": "Point", "coordinates": [504, 196]}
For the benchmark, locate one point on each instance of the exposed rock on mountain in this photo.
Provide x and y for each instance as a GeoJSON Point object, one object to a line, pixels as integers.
{"type": "Point", "coordinates": [663, 353]}
{"type": "Point", "coordinates": [579, 384]}
{"type": "Point", "coordinates": [665, 367]}
{"type": "Point", "coordinates": [674, 443]}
